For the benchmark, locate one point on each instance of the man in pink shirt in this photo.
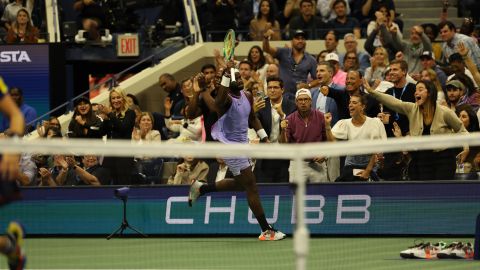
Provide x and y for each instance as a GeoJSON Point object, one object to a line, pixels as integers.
{"type": "Point", "coordinates": [339, 75]}
{"type": "Point", "coordinates": [306, 125]}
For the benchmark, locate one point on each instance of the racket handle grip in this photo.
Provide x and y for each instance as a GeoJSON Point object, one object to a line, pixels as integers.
{"type": "Point", "coordinates": [232, 73]}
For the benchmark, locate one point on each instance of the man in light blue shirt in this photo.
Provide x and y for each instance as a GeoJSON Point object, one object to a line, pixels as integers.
{"type": "Point", "coordinates": [452, 38]}
{"type": "Point", "coordinates": [295, 64]}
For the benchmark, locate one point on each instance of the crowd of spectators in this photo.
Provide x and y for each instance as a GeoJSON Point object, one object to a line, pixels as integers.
{"type": "Point", "coordinates": [389, 88]}
{"type": "Point", "coordinates": [252, 18]}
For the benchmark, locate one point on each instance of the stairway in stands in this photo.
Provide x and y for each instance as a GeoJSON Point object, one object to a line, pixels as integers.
{"type": "Point", "coordinates": [424, 11]}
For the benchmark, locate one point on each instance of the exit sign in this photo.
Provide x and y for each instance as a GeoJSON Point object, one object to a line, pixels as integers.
{"type": "Point", "coordinates": [127, 45]}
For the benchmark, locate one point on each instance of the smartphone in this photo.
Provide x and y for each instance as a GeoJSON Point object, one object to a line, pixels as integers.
{"type": "Point", "coordinates": [261, 95]}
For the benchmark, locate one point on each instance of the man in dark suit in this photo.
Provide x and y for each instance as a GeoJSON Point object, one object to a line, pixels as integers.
{"type": "Point", "coordinates": [270, 110]}
{"type": "Point", "coordinates": [218, 170]}
{"type": "Point", "coordinates": [342, 97]}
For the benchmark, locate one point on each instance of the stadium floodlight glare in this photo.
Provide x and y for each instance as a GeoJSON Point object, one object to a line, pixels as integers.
{"type": "Point", "coordinates": [122, 194]}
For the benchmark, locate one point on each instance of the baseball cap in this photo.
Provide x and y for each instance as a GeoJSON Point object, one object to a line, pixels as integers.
{"type": "Point", "coordinates": [331, 57]}
{"type": "Point", "coordinates": [455, 84]}
{"type": "Point", "coordinates": [428, 55]}
{"type": "Point", "coordinates": [303, 91]}
{"type": "Point", "coordinates": [82, 99]}
{"type": "Point", "coordinates": [455, 57]}
{"type": "Point", "coordinates": [300, 32]}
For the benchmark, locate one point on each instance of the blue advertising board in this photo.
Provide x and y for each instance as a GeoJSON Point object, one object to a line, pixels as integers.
{"type": "Point", "coordinates": [28, 67]}
{"type": "Point", "coordinates": [339, 209]}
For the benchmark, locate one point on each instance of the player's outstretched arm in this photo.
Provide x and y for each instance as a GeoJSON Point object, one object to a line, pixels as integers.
{"type": "Point", "coordinates": [223, 100]}
{"type": "Point", "coordinates": [9, 162]}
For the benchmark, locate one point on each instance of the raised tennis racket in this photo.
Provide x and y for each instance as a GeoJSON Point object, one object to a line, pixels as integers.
{"type": "Point", "coordinates": [229, 45]}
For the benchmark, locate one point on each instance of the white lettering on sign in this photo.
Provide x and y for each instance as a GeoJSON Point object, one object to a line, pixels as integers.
{"type": "Point", "coordinates": [14, 57]}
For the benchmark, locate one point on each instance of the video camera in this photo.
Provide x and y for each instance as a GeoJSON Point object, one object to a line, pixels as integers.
{"type": "Point", "coordinates": [122, 193]}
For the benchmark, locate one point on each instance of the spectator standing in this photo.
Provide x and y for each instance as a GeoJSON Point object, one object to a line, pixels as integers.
{"type": "Point", "coordinates": [326, 105]}
{"type": "Point", "coordinates": [379, 33]}
{"type": "Point", "coordinates": [427, 118]}
{"type": "Point", "coordinates": [84, 122]}
{"type": "Point", "coordinates": [29, 113]}
{"type": "Point", "coordinates": [319, 101]}
{"type": "Point", "coordinates": [259, 63]}
{"type": "Point", "coordinates": [295, 64]}
{"type": "Point", "coordinates": [338, 74]}
{"type": "Point", "coordinates": [452, 39]}
{"type": "Point", "coordinates": [174, 92]}
{"type": "Point", "coordinates": [402, 90]}
{"type": "Point", "coordinates": [358, 127]}
{"type": "Point", "coordinates": [119, 123]}
{"type": "Point", "coordinates": [369, 7]}
{"type": "Point", "coordinates": [353, 87]}
{"type": "Point", "coordinates": [412, 50]}
{"type": "Point", "coordinates": [271, 111]}
{"type": "Point", "coordinates": [306, 125]}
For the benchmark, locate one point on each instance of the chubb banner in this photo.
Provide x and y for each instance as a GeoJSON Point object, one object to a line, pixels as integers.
{"type": "Point", "coordinates": [360, 209]}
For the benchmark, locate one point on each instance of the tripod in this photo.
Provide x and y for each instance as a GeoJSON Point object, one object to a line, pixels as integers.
{"type": "Point", "coordinates": [124, 224]}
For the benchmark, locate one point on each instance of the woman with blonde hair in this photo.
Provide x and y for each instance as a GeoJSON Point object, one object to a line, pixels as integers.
{"type": "Point", "coordinates": [119, 122]}
{"type": "Point", "coordinates": [378, 64]}
{"type": "Point", "coordinates": [428, 74]}
{"type": "Point", "coordinates": [144, 133]}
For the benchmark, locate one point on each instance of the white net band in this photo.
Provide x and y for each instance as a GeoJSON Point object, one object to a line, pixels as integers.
{"type": "Point", "coordinates": [273, 151]}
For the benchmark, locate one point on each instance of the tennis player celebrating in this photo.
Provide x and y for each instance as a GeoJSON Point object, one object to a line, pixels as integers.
{"type": "Point", "coordinates": [234, 106]}
{"type": "Point", "coordinates": [11, 243]}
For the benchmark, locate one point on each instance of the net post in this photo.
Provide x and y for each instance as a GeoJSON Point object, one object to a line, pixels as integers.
{"type": "Point", "coordinates": [476, 247]}
{"type": "Point", "coordinates": [301, 234]}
